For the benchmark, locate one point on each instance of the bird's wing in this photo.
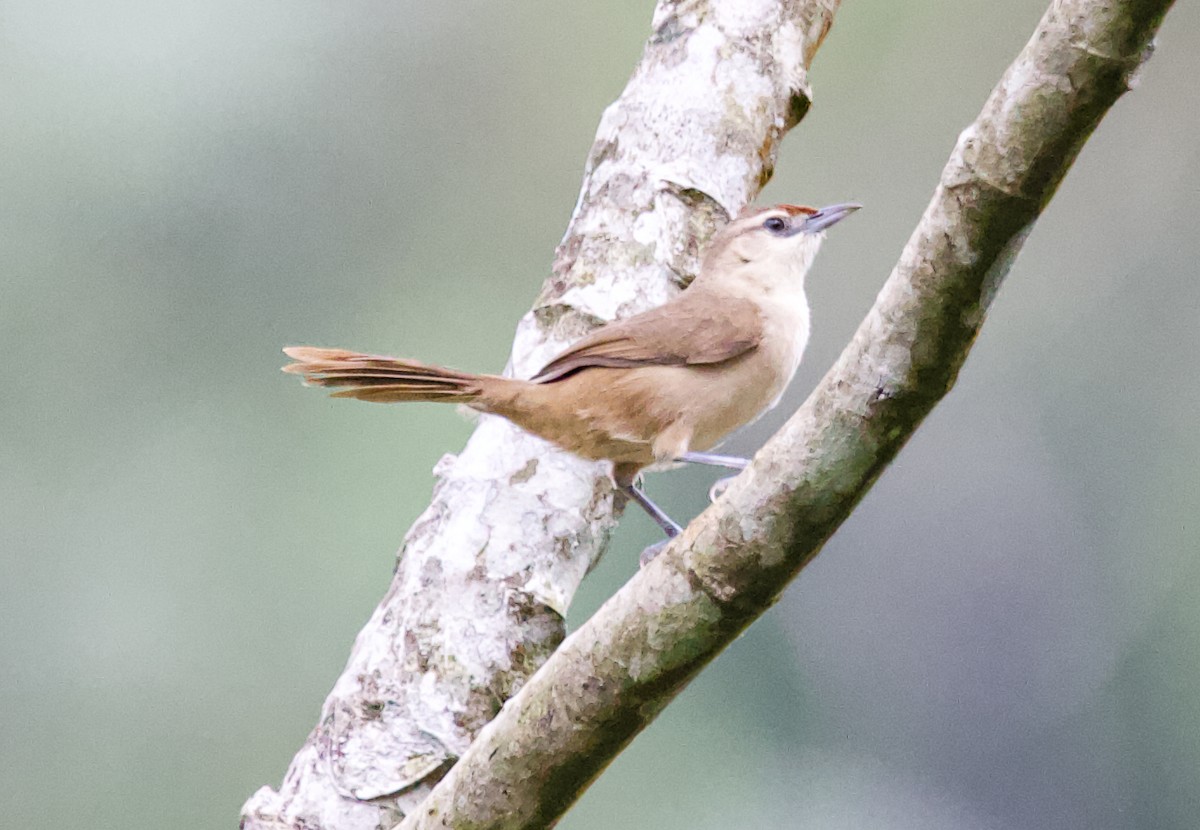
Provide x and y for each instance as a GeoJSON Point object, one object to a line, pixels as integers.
{"type": "Point", "coordinates": [683, 332]}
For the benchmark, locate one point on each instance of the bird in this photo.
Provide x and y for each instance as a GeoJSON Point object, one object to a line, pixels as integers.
{"type": "Point", "coordinates": [658, 388]}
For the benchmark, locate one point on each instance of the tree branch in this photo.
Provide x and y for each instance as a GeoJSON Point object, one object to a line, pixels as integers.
{"type": "Point", "coordinates": [487, 572]}
{"type": "Point", "coordinates": [611, 677]}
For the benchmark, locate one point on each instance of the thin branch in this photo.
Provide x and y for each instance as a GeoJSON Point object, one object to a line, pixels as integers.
{"type": "Point", "coordinates": [617, 672]}
{"type": "Point", "coordinates": [489, 569]}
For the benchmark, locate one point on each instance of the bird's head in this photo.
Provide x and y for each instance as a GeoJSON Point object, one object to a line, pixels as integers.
{"type": "Point", "coordinates": [774, 244]}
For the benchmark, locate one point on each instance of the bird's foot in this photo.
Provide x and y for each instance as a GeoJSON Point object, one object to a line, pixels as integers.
{"type": "Point", "coordinates": [719, 486]}
{"type": "Point", "coordinates": [651, 552]}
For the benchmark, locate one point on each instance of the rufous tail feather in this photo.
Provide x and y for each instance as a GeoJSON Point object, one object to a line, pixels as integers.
{"type": "Point", "coordinates": [384, 379]}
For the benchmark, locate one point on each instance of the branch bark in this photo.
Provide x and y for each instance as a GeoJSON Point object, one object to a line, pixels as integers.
{"type": "Point", "coordinates": [486, 574]}
{"type": "Point", "coordinates": [612, 676]}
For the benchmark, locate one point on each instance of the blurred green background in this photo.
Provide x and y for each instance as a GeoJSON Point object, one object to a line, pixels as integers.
{"type": "Point", "coordinates": [1005, 635]}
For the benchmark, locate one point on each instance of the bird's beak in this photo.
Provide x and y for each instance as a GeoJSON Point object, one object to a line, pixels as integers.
{"type": "Point", "coordinates": [827, 217]}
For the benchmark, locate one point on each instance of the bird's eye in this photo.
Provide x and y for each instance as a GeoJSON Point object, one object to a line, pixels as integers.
{"type": "Point", "coordinates": [775, 224]}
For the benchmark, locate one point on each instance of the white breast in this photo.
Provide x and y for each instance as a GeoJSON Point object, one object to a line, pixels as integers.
{"type": "Point", "coordinates": [787, 320]}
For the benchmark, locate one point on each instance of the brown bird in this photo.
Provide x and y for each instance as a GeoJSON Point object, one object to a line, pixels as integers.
{"type": "Point", "coordinates": [662, 386]}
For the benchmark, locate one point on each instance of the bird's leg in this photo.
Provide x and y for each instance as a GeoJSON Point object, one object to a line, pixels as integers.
{"type": "Point", "coordinates": [731, 462]}
{"type": "Point", "coordinates": [660, 517]}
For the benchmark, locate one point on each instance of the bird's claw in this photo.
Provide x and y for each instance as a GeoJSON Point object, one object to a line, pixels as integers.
{"type": "Point", "coordinates": [651, 552]}
{"type": "Point", "coordinates": [719, 486]}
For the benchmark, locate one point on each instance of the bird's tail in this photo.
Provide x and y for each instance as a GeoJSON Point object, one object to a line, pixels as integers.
{"type": "Point", "coordinates": [387, 379]}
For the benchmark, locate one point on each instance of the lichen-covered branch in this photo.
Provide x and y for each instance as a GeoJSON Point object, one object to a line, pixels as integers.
{"type": "Point", "coordinates": [488, 571]}
{"type": "Point", "coordinates": [612, 676]}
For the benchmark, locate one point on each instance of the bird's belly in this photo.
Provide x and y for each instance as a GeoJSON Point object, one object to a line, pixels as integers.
{"type": "Point", "coordinates": [665, 411]}
{"type": "Point", "coordinates": [652, 414]}
{"type": "Point", "coordinates": [598, 413]}
{"type": "Point", "coordinates": [726, 402]}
